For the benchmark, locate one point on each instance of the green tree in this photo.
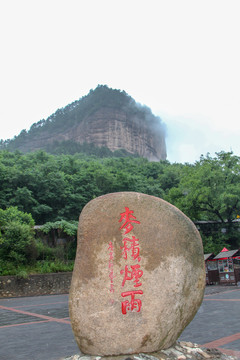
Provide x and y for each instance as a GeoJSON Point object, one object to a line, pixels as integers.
{"type": "Point", "coordinates": [17, 243]}
{"type": "Point", "coordinates": [210, 190]}
{"type": "Point", "coordinates": [12, 214]}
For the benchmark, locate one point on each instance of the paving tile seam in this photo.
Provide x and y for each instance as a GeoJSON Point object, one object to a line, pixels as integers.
{"type": "Point", "coordinates": [230, 352]}
{"type": "Point", "coordinates": [26, 323]}
{"type": "Point", "coordinates": [223, 341]}
{"type": "Point", "coordinates": [54, 303]}
{"type": "Point", "coordinates": [35, 315]}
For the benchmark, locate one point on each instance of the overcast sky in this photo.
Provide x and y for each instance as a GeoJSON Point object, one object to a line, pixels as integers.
{"type": "Point", "coordinates": [180, 58]}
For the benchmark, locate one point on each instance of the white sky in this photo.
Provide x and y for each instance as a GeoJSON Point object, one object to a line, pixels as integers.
{"type": "Point", "coordinates": [180, 58]}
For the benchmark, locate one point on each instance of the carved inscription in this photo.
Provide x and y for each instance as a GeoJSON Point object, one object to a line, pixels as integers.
{"type": "Point", "coordinates": [110, 266]}
{"type": "Point", "coordinates": [133, 273]}
{"type": "Point", "coordinates": [128, 220]}
{"type": "Point", "coordinates": [133, 303]}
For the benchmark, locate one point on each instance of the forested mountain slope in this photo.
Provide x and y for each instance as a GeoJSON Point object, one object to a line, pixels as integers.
{"type": "Point", "coordinates": [105, 118]}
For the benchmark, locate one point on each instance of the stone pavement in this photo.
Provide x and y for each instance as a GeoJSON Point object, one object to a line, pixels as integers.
{"type": "Point", "coordinates": [217, 323]}
{"type": "Point", "coordinates": [38, 328]}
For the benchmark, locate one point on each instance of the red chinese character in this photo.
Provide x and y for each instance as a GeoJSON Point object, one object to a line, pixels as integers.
{"type": "Point", "coordinates": [133, 246]}
{"type": "Point", "coordinates": [133, 304]}
{"type": "Point", "coordinates": [134, 274]}
{"type": "Point", "coordinates": [129, 218]}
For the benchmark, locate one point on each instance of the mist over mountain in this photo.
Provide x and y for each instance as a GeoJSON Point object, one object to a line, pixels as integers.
{"type": "Point", "coordinates": [106, 119]}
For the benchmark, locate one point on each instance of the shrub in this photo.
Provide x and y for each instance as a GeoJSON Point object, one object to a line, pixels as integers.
{"type": "Point", "coordinates": [44, 252]}
{"type": "Point", "coordinates": [17, 242]}
{"type": "Point", "coordinates": [68, 227]}
{"type": "Point", "coordinates": [13, 214]}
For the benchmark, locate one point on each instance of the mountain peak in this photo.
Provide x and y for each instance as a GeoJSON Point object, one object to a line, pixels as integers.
{"type": "Point", "coordinates": [105, 117]}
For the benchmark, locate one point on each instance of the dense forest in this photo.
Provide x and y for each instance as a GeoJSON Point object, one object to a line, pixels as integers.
{"type": "Point", "coordinates": [56, 187]}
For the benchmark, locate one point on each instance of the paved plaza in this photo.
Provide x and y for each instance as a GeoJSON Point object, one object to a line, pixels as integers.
{"type": "Point", "coordinates": [38, 328]}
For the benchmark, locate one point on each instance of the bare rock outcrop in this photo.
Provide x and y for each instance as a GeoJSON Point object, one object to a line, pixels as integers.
{"type": "Point", "coordinates": [115, 130]}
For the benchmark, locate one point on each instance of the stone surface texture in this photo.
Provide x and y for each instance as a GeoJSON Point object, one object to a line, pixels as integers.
{"type": "Point", "coordinates": [180, 351]}
{"type": "Point", "coordinates": [172, 280]}
{"type": "Point", "coordinates": [37, 284]}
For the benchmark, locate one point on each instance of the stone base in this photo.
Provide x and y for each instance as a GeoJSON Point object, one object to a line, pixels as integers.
{"type": "Point", "coordinates": [182, 350]}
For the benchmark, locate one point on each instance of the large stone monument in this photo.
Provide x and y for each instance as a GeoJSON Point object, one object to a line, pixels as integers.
{"type": "Point", "coordinates": [139, 275]}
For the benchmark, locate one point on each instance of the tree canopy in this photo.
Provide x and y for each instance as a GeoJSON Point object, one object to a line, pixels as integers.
{"type": "Point", "coordinates": [56, 187]}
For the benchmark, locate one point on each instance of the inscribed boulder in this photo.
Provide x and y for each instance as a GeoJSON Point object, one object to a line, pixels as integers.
{"type": "Point", "coordinates": [139, 275]}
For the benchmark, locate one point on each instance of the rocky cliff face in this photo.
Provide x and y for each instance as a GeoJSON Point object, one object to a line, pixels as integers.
{"type": "Point", "coordinates": [111, 128]}
{"type": "Point", "coordinates": [105, 118]}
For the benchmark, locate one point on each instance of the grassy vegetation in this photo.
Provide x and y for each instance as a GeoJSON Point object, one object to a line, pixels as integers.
{"type": "Point", "coordinates": [39, 267]}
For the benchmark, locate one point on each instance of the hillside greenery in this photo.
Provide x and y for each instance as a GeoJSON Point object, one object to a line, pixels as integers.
{"type": "Point", "coordinates": [48, 189]}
